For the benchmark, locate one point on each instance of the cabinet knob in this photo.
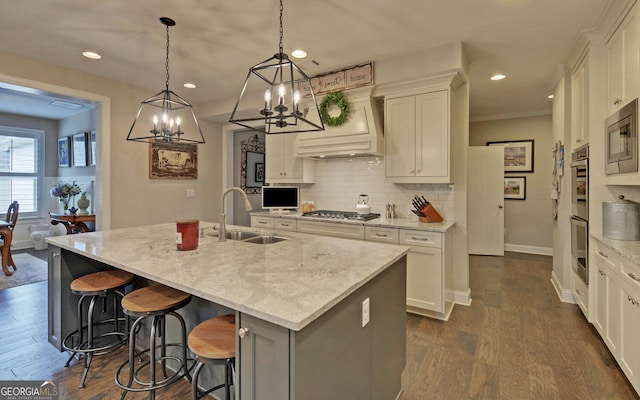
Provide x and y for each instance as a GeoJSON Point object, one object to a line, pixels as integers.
{"type": "Point", "coordinates": [242, 332]}
{"type": "Point", "coordinates": [578, 292]}
{"type": "Point", "coordinates": [602, 254]}
{"type": "Point", "coordinates": [419, 171]}
{"type": "Point", "coordinates": [500, 206]}
{"type": "Point", "coordinates": [56, 254]}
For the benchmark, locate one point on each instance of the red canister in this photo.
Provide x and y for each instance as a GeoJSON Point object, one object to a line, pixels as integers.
{"type": "Point", "coordinates": [187, 234]}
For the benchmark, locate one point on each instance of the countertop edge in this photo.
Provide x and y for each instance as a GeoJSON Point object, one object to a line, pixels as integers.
{"type": "Point", "coordinates": [400, 223]}
{"type": "Point", "coordinates": [294, 325]}
{"type": "Point", "coordinates": [627, 249]}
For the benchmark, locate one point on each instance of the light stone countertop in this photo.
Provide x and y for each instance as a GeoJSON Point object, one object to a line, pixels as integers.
{"type": "Point", "coordinates": [628, 249]}
{"type": "Point", "coordinates": [289, 283]}
{"type": "Point", "coordinates": [402, 223]}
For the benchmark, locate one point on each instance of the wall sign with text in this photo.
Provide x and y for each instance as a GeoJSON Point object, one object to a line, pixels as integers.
{"type": "Point", "coordinates": [348, 78]}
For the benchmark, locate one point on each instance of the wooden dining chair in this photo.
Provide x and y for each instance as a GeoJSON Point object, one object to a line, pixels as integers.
{"type": "Point", "coordinates": [6, 235]}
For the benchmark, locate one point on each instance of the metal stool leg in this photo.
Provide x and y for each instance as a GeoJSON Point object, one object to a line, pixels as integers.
{"type": "Point", "coordinates": [194, 382]}
{"type": "Point", "coordinates": [89, 356]}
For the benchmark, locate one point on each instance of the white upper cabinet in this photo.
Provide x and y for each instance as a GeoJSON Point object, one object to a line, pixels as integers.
{"type": "Point", "coordinates": [417, 138]}
{"type": "Point", "coordinates": [623, 63]}
{"type": "Point", "coordinates": [282, 166]}
{"type": "Point", "coordinates": [580, 104]}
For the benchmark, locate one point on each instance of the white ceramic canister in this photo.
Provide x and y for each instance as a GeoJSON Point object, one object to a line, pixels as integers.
{"type": "Point", "coordinates": [621, 220]}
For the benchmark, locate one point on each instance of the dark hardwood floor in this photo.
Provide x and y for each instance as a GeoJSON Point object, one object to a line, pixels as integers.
{"type": "Point", "coordinates": [516, 341]}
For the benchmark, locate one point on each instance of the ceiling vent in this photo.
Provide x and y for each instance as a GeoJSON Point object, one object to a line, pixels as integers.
{"type": "Point", "coordinates": [66, 104]}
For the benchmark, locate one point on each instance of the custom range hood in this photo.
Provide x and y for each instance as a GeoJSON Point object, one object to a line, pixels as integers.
{"type": "Point", "coordinates": [360, 136]}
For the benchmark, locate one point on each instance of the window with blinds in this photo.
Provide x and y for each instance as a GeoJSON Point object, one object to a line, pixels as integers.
{"type": "Point", "coordinates": [20, 168]}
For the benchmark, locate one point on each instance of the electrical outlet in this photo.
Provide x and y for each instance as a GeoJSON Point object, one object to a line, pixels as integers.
{"type": "Point", "coordinates": [365, 312]}
{"type": "Point", "coordinates": [191, 193]}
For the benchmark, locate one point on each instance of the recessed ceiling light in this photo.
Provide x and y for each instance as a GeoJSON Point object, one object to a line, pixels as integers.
{"type": "Point", "coordinates": [190, 85]}
{"type": "Point", "coordinates": [498, 77]}
{"type": "Point", "coordinates": [550, 96]}
{"type": "Point", "coordinates": [92, 55]}
{"type": "Point", "coordinates": [299, 53]}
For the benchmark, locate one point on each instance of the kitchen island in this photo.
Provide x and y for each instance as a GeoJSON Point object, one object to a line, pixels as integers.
{"type": "Point", "coordinates": [299, 302]}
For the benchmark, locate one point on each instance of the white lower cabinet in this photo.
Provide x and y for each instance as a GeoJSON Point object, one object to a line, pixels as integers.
{"type": "Point", "coordinates": [629, 358]}
{"type": "Point", "coordinates": [430, 289]}
{"type": "Point", "coordinates": [606, 311]}
{"type": "Point", "coordinates": [617, 309]}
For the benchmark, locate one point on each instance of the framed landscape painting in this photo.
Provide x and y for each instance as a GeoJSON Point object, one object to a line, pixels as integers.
{"type": "Point", "coordinates": [515, 187]}
{"type": "Point", "coordinates": [79, 141]}
{"type": "Point", "coordinates": [518, 155]}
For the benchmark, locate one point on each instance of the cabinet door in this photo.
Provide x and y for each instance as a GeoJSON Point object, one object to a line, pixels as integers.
{"type": "Point", "coordinates": [273, 157]}
{"type": "Point", "coordinates": [400, 128]}
{"type": "Point", "coordinates": [606, 313]}
{"type": "Point", "coordinates": [263, 360]}
{"type": "Point", "coordinates": [291, 165]}
{"type": "Point", "coordinates": [629, 303]}
{"type": "Point", "coordinates": [615, 70]}
{"type": "Point", "coordinates": [54, 295]}
{"type": "Point", "coordinates": [580, 104]}
{"type": "Point", "coordinates": [432, 134]}
{"type": "Point", "coordinates": [424, 279]}
{"type": "Point", "coordinates": [624, 62]}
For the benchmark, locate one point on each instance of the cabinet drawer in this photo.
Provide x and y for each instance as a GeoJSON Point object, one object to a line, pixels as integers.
{"type": "Point", "coordinates": [262, 222]}
{"type": "Point", "coordinates": [285, 224]}
{"type": "Point", "coordinates": [376, 234]}
{"type": "Point", "coordinates": [420, 238]}
{"type": "Point", "coordinates": [630, 274]}
{"type": "Point", "coordinates": [332, 229]}
{"type": "Point", "coordinates": [581, 293]}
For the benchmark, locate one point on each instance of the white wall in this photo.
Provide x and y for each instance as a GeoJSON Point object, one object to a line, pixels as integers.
{"type": "Point", "coordinates": [528, 223]}
{"type": "Point", "coordinates": [133, 198]}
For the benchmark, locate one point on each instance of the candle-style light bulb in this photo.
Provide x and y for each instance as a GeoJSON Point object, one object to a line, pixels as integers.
{"type": "Point", "coordinates": [178, 122]}
{"type": "Point", "coordinates": [281, 94]}
{"type": "Point", "coordinates": [155, 122]}
{"type": "Point", "coordinates": [267, 99]}
{"type": "Point", "coordinates": [296, 100]}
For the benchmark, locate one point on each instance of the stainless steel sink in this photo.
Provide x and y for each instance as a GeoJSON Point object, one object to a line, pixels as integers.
{"type": "Point", "coordinates": [267, 239]}
{"type": "Point", "coordinates": [241, 235]}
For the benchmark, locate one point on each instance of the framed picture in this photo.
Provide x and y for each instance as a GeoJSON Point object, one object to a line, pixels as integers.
{"type": "Point", "coordinates": [64, 158]}
{"type": "Point", "coordinates": [79, 151]}
{"type": "Point", "coordinates": [173, 161]}
{"type": "Point", "coordinates": [260, 172]}
{"type": "Point", "coordinates": [255, 170]}
{"type": "Point", "coordinates": [518, 155]}
{"type": "Point", "coordinates": [92, 147]}
{"type": "Point", "coordinates": [515, 187]}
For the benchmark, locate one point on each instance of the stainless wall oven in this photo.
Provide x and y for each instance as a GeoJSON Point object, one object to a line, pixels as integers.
{"type": "Point", "coordinates": [580, 212]}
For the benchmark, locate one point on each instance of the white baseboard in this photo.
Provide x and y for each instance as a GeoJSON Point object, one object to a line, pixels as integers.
{"type": "Point", "coordinates": [519, 248]}
{"type": "Point", "coordinates": [463, 298]}
{"type": "Point", "coordinates": [21, 244]}
{"type": "Point", "coordinates": [564, 295]}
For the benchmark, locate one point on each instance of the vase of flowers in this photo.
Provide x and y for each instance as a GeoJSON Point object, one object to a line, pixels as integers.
{"type": "Point", "coordinates": [65, 192]}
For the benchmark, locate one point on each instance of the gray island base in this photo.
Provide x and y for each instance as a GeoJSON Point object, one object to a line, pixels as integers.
{"type": "Point", "coordinates": [299, 304]}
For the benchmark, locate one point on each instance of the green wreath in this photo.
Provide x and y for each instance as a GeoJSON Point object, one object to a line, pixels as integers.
{"type": "Point", "coordinates": [339, 100]}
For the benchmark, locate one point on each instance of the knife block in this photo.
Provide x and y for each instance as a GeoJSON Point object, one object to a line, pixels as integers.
{"type": "Point", "coordinates": [431, 214]}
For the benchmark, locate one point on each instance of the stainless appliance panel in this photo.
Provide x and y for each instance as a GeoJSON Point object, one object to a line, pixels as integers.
{"type": "Point", "coordinates": [580, 183]}
{"type": "Point", "coordinates": [580, 248]}
{"type": "Point", "coordinates": [621, 141]}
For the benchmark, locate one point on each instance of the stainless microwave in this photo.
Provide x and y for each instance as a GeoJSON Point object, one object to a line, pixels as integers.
{"type": "Point", "coordinates": [621, 141]}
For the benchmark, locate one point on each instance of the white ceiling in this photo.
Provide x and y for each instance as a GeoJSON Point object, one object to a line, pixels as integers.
{"type": "Point", "coordinates": [215, 42]}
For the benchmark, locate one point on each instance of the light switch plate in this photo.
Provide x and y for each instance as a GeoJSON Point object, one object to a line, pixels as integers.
{"type": "Point", "coordinates": [365, 312]}
{"type": "Point", "coordinates": [191, 193]}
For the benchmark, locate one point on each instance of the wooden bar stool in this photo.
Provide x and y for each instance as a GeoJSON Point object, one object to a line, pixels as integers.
{"type": "Point", "coordinates": [214, 340]}
{"type": "Point", "coordinates": [98, 285]}
{"type": "Point", "coordinates": [158, 302]}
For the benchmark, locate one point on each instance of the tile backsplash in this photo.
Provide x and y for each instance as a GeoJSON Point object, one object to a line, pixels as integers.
{"type": "Point", "coordinates": [339, 182]}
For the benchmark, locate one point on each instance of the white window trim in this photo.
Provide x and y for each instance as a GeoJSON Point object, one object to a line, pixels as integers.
{"type": "Point", "coordinates": [39, 135]}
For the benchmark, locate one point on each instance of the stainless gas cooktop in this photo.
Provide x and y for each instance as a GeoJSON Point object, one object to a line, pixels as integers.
{"type": "Point", "coordinates": [349, 215]}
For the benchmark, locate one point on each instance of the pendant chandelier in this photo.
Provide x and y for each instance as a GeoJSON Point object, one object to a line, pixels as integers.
{"type": "Point", "coordinates": [166, 117]}
{"type": "Point", "coordinates": [282, 109]}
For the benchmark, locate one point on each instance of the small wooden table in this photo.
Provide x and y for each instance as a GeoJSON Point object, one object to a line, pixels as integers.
{"type": "Point", "coordinates": [7, 234]}
{"type": "Point", "coordinates": [75, 223]}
